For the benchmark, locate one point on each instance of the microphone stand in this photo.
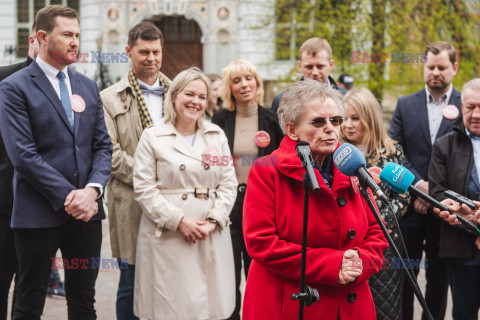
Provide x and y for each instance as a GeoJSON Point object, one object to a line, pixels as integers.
{"type": "Point", "coordinates": [307, 295]}
{"type": "Point", "coordinates": [412, 281]}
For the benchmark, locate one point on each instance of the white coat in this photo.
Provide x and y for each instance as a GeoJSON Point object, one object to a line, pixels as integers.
{"type": "Point", "coordinates": [175, 279]}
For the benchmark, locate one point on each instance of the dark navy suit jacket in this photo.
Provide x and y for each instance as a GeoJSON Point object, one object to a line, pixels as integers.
{"type": "Point", "coordinates": [51, 159]}
{"type": "Point", "coordinates": [6, 167]}
{"type": "Point", "coordinates": [409, 127]}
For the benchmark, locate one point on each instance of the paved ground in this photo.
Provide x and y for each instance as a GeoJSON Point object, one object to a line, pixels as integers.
{"type": "Point", "coordinates": [107, 283]}
{"type": "Point", "coordinates": [106, 288]}
{"type": "Point", "coordinates": [418, 308]}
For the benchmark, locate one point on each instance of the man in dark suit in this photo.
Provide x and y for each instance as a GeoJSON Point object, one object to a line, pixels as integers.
{"type": "Point", "coordinates": [418, 120]}
{"type": "Point", "coordinates": [8, 257]}
{"type": "Point", "coordinates": [7, 71]}
{"type": "Point", "coordinates": [51, 120]}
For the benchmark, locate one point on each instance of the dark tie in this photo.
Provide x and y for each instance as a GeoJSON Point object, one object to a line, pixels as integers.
{"type": "Point", "coordinates": [65, 97]}
{"type": "Point", "coordinates": [158, 91]}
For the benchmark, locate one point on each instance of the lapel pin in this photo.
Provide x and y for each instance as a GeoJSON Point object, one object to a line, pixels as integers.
{"type": "Point", "coordinates": [262, 139]}
{"type": "Point", "coordinates": [77, 102]}
{"type": "Point", "coordinates": [355, 183]}
{"type": "Point", "coordinates": [375, 173]}
{"type": "Point", "coordinates": [450, 112]}
{"type": "Point", "coordinates": [212, 151]}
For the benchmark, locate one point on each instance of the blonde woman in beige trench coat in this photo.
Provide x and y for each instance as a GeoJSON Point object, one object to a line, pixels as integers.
{"type": "Point", "coordinates": [184, 252]}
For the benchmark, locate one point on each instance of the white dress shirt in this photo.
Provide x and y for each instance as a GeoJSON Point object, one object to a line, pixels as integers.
{"type": "Point", "coordinates": [153, 101]}
{"type": "Point", "coordinates": [51, 74]}
{"type": "Point", "coordinates": [435, 108]}
{"type": "Point", "coordinates": [435, 115]}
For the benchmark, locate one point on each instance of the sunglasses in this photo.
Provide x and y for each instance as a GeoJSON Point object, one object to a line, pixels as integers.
{"type": "Point", "coordinates": [320, 122]}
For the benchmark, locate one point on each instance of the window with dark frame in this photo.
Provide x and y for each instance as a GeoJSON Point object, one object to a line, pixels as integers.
{"type": "Point", "coordinates": [26, 15]}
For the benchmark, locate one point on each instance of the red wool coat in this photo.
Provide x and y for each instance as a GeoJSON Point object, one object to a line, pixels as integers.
{"type": "Point", "coordinates": [339, 219]}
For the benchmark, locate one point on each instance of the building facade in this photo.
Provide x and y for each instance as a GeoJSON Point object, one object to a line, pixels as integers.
{"type": "Point", "coordinates": [208, 34]}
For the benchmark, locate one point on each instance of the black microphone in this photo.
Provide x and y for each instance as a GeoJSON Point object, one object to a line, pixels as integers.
{"type": "Point", "coordinates": [460, 199]}
{"type": "Point", "coordinates": [305, 155]}
{"type": "Point", "coordinates": [400, 179]}
{"type": "Point", "coordinates": [350, 161]}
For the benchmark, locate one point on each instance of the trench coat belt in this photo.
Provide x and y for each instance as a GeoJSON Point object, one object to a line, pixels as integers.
{"type": "Point", "coordinates": [199, 192]}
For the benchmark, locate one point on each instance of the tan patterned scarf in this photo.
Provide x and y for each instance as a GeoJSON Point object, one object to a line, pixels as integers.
{"type": "Point", "coordinates": [142, 107]}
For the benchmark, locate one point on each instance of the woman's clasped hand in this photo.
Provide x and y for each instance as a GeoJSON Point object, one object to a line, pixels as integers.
{"type": "Point", "coordinates": [351, 268]}
{"type": "Point", "coordinates": [194, 230]}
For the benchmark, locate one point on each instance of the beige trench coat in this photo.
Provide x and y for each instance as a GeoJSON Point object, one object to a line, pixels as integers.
{"type": "Point", "coordinates": [125, 129]}
{"type": "Point", "coordinates": [175, 279]}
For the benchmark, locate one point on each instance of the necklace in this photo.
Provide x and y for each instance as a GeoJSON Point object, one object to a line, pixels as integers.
{"type": "Point", "coordinates": [243, 130]}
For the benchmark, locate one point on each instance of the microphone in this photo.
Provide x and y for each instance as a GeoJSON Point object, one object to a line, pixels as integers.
{"type": "Point", "coordinates": [460, 199]}
{"type": "Point", "coordinates": [351, 162]}
{"type": "Point", "coordinates": [399, 179]}
{"type": "Point", "coordinates": [305, 155]}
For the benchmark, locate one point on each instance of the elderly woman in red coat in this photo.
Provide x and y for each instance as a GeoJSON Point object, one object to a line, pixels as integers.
{"type": "Point", "coordinates": [345, 243]}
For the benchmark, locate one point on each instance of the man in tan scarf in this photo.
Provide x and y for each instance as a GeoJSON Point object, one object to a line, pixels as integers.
{"type": "Point", "coordinates": [131, 105]}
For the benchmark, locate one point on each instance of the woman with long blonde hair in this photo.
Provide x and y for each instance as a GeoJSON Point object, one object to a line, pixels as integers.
{"type": "Point", "coordinates": [366, 114]}
{"type": "Point", "coordinates": [364, 128]}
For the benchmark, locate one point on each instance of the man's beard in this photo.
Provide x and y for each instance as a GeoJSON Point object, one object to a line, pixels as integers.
{"type": "Point", "coordinates": [439, 87]}
{"type": "Point", "coordinates": [60, 57]}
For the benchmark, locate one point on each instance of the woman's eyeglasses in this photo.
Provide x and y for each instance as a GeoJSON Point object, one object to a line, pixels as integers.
{"type": "Point", "coordinates": [320, 122]}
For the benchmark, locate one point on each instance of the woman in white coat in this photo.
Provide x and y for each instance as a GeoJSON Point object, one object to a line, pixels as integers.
{"type": "Point", "coordinates": [184, 251]}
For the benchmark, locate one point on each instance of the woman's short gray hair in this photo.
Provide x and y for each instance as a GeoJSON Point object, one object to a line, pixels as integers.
{"type": "Point", "coordinates": [299, 94]}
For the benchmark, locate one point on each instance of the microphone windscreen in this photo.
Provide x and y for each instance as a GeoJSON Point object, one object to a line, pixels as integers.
{"type": "Point", "coordinates": [396, 177]}
{"type": "Point", "coordinates": [348, 159]}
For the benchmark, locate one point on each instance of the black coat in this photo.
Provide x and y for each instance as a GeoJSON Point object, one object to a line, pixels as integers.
{"type": "Point", "coordinates": [7, 71]}
{"type": "Point", "coordinates": [450, 169]}
{"type": "Point", "coordinates": [6, 167]}
{"type": "Point", "coordinates": [267, 121]}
